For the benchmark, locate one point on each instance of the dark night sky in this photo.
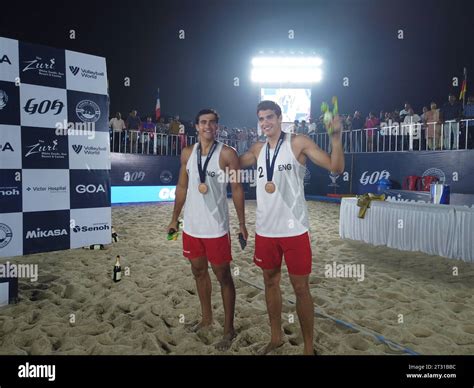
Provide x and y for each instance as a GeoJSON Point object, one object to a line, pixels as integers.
{"type": "Point", "coordinates": [357, 39]}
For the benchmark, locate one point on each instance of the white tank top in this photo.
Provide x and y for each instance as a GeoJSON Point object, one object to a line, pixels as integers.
{"type": "Point", "coordinates": [206, 215]}
{"type": "Point", "coordinates": [282, 213]}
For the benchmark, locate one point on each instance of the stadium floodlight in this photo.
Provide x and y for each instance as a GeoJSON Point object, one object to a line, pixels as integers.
{"type": "Point", "coordinates": [286, 69]}
{"type": "Point", "coordinates": [286, 75]}
{"type": "Point", "coordinates": [287, 61]}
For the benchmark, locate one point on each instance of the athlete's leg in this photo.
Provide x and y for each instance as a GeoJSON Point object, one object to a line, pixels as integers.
{"type": "Point", "coordinates": [271, 278]}
{"type": "Point", "coordinates": [224, 277]}
{"type": "Point", "coordinates": [304, 309]}
{"type": "Point", "coordinates": [199, 268]}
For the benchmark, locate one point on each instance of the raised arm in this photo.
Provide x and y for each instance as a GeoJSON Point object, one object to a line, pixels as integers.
{"type": "Point", "coordinates": [333, 162]}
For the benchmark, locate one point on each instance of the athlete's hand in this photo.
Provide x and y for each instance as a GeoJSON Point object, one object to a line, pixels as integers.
{"type": "Point", "coordinates": [337, 127]}
{"type": "Point", "coordinates": [173, 225]}
{"type": "Point", "coordinates": [243, 230]}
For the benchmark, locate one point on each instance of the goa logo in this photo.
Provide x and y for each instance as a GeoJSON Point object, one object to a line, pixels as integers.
{"type": "Point", "coordinates": [167, 194]}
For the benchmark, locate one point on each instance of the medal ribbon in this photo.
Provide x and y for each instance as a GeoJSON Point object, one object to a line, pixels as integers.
{"type": "Point", "coordinates": [201, 170]}
{"type": "Point", "coordinates": [271, 166]}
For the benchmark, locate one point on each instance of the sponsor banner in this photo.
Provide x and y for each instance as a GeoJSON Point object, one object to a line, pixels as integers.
{"type": "Point", "coordinates": [86, 153]}
{"type": "Point", "coordinates": [10, 146]}
{"type": "Point", "coordinates": [86, 73]}
{"type": "Point", "coordinates": [9, 102]}
{"type": "Point", "coordinates": [144, 170]}
{"type": "Point", "coordinates": [45, 190]}
{"type": "Point", "coordinates": [42, 148]}
{"type": "Point", "coordinates": [90, 226]}
{"type": "Point", "coordinates": [45, 231]}
{"type": "Point", "coordinates": [10, 191]}
{"type": "Point", "coordinates": [449, 167]}
{"type": "Point", "coordinates": [42, 106]}
{"type": "Point", "coordinates": [90, 109]}
{"type": "Point", "coordinates": [9, 67]}
{"type": "Point", "coordinates": [41, 65]}
{"type": "Point", "coordinates": [11, 234]}
{"type": "Point", "coordinates": [137, 194]}
{"type": "Point", "coordinates": [89, 189]}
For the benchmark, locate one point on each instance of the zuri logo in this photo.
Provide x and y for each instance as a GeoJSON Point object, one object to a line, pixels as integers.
{"type": "Point", "coordinates": [37, 64]}
{"type": "Point", "coordinates": [74, 69]}
{"type": "Point", "coordinates": [77, 148]}
{"type": "Point", "coordinates": [38, 233]}
{"type": "Point", "coordinates": [374, 177]}
{"type": "Point", "coordinates": [43, 107]}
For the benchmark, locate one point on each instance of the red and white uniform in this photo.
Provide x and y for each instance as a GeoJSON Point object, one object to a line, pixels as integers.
{"type": "Point", "coordinates": [206, 216]}
{"type": "Point", "coordinates": [282, 217]}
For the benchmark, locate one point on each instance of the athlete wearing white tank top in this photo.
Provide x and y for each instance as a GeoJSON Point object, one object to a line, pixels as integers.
{"type": "Point", "coordinates": [282, 216]}
{"type": "Point", "coordinates": [206, 237]}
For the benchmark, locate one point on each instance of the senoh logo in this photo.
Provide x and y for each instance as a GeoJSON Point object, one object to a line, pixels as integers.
{"type": "Point", "coordinates": [135, 176]}
{"type": "Point", "coordinates": [5, 59]}
{"type": "Point", "coordinates": [6, 235]}
{"type": "Point", "coordinates": [90, 189]}
{"type": "Point", "coordinates": [39, 233]}
{"type": "Point", "coordinates": [77, 148]}
{"type": "Point", "coordinates": [6, 147]}
{"type": "Point", "coordinates": [43, 107]}
{"type": "Point", "coordinates": [374, 177]}
{"type": "Point", "coordinates": [9, 191]}
{"type": "Point", "coordinates": [3, 99]}
{"type": "Point", "coordinates": [88, 111]}
{"type": "Point", "coordinates": [166, 194]}
{"type": "Point", "coordinates": [95, 228]}
{"type": "Point", "coordinates": [74, 69]}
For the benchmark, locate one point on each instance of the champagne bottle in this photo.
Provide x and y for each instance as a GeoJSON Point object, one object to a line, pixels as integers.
{"type": "Point", "coordinates": [117, 270]}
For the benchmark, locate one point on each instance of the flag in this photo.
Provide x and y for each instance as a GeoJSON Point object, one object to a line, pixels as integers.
{"type": "Point", "coordinates": [463, 87]}
{"type": "Point", "coordinates": [463, 90]}
{"type": "Point", "coordinates": [158, 106]}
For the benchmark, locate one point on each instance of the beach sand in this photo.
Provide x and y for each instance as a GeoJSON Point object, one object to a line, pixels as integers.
{"type": "Point", "coordinates": [149, 310]}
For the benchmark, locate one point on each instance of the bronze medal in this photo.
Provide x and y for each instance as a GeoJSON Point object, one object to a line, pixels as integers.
{"type": "Point", "coordinates": [202, 188]}
{"type": "Point", "coordinates": [270, 187]}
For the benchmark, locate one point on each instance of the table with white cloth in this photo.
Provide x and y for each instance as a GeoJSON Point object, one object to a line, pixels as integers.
{"type": "Point", "coordinates": [442, 230]}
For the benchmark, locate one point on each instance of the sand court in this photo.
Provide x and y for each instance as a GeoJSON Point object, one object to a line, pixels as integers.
{"type": "Point", "coordinates": [75, 308]}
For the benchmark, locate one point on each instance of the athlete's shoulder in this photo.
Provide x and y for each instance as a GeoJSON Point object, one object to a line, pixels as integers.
{"type": "Point", "coordinates": [228, 150]}
{"type": "Point", "coordinates": [256, 147]}
{"type": "Point", "coordinates": [186, 153]}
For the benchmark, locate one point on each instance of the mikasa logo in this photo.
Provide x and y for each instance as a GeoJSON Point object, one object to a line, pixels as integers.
{"type": "Point", "coordinates": [38, 233]}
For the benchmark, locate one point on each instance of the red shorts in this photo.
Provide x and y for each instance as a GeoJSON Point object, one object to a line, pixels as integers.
{"type": "Point", "coordinates": [296, 249]}
{"type": "Point", "coordinates": [217, 250]}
